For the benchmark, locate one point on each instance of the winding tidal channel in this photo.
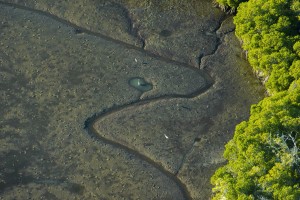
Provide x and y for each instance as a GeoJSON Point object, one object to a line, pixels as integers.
{"type": "Point", "coordinates": [93, 123]}
{"type": "Point", "coordinates": [128, 74]}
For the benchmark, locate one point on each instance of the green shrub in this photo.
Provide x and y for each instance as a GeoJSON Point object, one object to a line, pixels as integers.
{"type": "Point", "coordinates": [263, 157]}
{"type": "Point", "coordinates": [228, 5]}
{"type": "Point", "coordinates": [264, 154]}
{"type": "Point", "coordinates": [269, 31]}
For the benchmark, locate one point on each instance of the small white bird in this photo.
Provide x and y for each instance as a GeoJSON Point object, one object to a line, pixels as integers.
{"type": "Point", "coordinates": [135, 60]}
{"type": "Point", "coordinates": [166, 136]}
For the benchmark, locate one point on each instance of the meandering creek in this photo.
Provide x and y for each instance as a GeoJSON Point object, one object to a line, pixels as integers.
{"type": "Point", "coordinates": [117, 99]}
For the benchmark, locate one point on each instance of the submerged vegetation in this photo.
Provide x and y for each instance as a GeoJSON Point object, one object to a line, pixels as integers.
{"type": "Point", "coordinates": [263, 156]}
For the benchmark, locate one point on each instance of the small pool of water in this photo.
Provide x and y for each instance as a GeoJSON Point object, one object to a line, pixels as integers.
{"type": "Point", "coordinates": [140, 84]}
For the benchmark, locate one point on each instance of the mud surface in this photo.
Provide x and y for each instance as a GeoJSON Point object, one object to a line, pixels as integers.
{"type": "Point", "coordinates": [118, 99]}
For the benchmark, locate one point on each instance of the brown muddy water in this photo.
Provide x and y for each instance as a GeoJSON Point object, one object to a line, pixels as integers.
{"type": "Point", "coordinates": [117, 99]}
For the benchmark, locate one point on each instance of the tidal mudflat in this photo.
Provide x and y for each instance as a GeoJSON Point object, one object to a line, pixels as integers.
{"type": "Point", "coordinates": [117, 99]}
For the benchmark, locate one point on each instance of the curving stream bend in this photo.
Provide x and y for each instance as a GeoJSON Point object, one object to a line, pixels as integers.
{"type": "Point", "coordinates": [89, 124]}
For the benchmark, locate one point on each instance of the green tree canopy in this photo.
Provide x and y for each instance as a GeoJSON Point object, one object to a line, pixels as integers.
{"type": "Point", "coordinates": [269, 31]}
{"type": "Point", "coordinates": [263, 157]}
{"type": "Point", "coordinates": [264, 154]}
{"type": "Point", "coordinates": [228, 5]}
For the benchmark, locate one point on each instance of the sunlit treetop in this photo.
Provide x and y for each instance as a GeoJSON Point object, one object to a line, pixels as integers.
{"type": "Point", "coordinates": [264, 155]}
{"type": "Point", "coordinates": [270, 34]}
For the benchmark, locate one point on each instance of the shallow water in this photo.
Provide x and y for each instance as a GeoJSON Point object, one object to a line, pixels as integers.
{"type": "Point", "coordinates": [140, 84]}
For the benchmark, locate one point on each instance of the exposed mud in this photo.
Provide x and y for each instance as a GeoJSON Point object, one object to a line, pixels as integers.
{"type": "Point", "coordinates": [73, 126]}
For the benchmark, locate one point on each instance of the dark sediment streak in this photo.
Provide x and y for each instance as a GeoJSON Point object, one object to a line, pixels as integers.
{"type": "Point", "coordinates": [102, 36]}
{"type": "Point", "coordinates": [93, 133]}
{"type": "Point", "coordinates": [89, 127]}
